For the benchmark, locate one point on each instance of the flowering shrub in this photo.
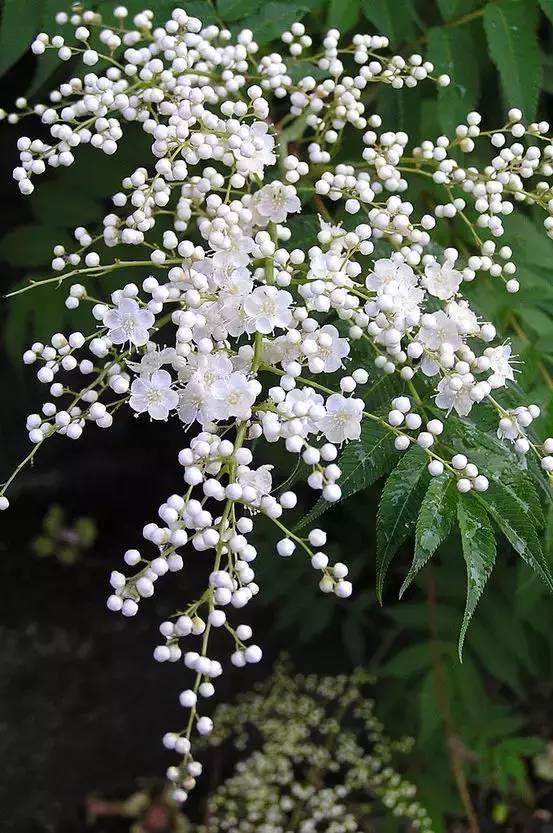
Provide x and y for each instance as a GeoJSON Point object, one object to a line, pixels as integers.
{"type": "Point", "coordinates": [296, 296]}
{"type": "Point", "coordinates": [316, 758]}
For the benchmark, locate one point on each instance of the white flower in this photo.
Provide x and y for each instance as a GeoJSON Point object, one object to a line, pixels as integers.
{"type": "Point", "coordinates": [256, 150]}
{"type": "Point", "coordinates": [508, 428]}
{"type": "Point", "coordinates": [342, 420]}
{"type": "Point", "coordinates": [454, 393]}
{"type": "Point", "coordinates": [194, 404]}
{"type": "Point", "coordinates": [297, 406]}
{"type": "Point", "coordinates": [499, 358]}
{"type": "Point", "coordinates": [205, 369]}
{"type": "Point", "coordinates": [330, 348]}
{"type": "Point", "coordinates": [280, 350]}
{"type": "Point", "coordinates": [439, 329]}
{"type": "Point", "coordinates": [442, 280]}
{"type": "Point", "coordinates": [259, 479]}
{"type": "Point", "coordinates": [234, 396]}
{"type": "Point", "coordinates": [234, 252]}
{"type": "Point", "coordinates": [401, 300]}
{"type": "Point", "coordinates": [465, 319]}
{"type": "Point", "coordinates": [386, 271]}
{"type": "Point", "coordinates": [128, 322]}
{"type": "Point", "coordinates": [154, 395]}
{"type": "Point", "coordinates": [318, 268]}
{"type": "Point", "coordinates": [274, 202]}
{"type": "Point", "coordinates": [268, 307]}
{"type": "Point", "coordinates": [153, 360]}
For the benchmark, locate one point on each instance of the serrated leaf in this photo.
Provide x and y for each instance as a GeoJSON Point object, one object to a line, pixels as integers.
{"type": "Point", "coordinates": [514, 483]}
{"type": "Point", "coordinates": [433, 524]}
{"type": "Point", "coordinates": [448, 49]}
{"type": "Point", "coordinates": [343, 16]}
{"type": "Point", "coordinates": [518, 527]}
{"type": "Point", "coordinates": [394, 18]}
{"type": "Point", "coordinates": [513, 43]}
{"type": "Point", "coordinates": [478, 543]}
{"type": "Point", "coordinates": [397, 511]}
{"type": "Point", "coordinates": [362, 463]}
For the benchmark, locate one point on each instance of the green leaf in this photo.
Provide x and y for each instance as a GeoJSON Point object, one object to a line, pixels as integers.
{"type": "Point", "coordinates": [343, 16]}
{"type": "Point", "coordinates": [448, 50]}
{"type": "Point", "coordinates": [304, 230]}
{"type": "Point", "coordinates": [72, 207]}
{"type": "Point", "coordinates": [513, 43]}
{"type": "Point", "coordinates": [478, 542]}
{"type": "Point", "coordinates": [433, 524]}
{"type": "Point", "coordinates": [232, 10]}
{"type": "Point", "coordinates": [18, 28]}
{"type": "Point", "coordinates": [30, 245]}
{"type": "Point", "coordinates": [547, 8]}
{"type": "Point", "coordinates": [394, 18]}
{"type": "Point", "coordinates": [518, 527]}
{"type": "Point", "coordinates": [362, 463]}
{"type": "Point", "coordinates": [450, 9]}
{"type": "Point", "coordinates": [272, 20]}
{"type": "Point", "coordinates": [409, 662]}
{"type": "Point", "coordinates": [397, 511]}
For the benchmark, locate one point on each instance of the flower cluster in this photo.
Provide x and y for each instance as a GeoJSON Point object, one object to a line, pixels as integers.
{"type": "Point", "coordinates": [237, 320]}
{"type": "Point", "coordinates": [314, 757]}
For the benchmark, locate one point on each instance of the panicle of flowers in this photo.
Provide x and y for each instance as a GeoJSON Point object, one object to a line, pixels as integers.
{"type": "Point", "coordinates": [313, 757]}
{"type": "Point", "coordinates": [237, 320]}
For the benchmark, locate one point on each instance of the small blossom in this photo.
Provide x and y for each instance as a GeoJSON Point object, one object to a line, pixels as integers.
{"type": "Point", "coordinates": [128, 322]}
{"type": "Point", "coordinates": [442, 280]}
{"type": "Point", "coordinates": [274, 202]}
{"type": "Point", "coordinates": [153, 395]}
{"type": "Point", "coordinates": [342, 420]}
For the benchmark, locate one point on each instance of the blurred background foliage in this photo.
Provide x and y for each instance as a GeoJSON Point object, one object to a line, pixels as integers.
{"type": "Point", "coordinates": [483, 728]}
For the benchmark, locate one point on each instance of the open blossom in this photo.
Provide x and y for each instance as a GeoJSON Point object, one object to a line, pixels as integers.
{"type": "Point", "coordinates": [464, 318]}
{"type": "Point", "coordinates": [438, 329]}
{"type": "Point", "coordinates": [508, 428]}
{"type": "Point", "coordinates": [260, 480]}
{"type": "Point", "coordinates": [153, 360]}
{"type": "Point", "coordinates": [454, 393]}
{"type": "Point", "coordinates": [128, 322]}
{"type": "Point", "coordinates": [194, 404]}
{"type": "Point", "coordinates": [499, 358]}
{"type": "Point", "coordinates": [275, 201]}
{"type": "Point", "coordinates": [442, 280]}
{"type": "Point", "coordinates": [255, 152]}
{"type": "Point", "coordinates": [387, 271]}
{"type": "Point", "coordinates": [268, 307]}
{"type": "Point", "coordinates": [234, 396]}
{"type": "Point", "coordinates": [343, 418]}
{"type": "Point", "coordinates": [330, 350]}
{"type": "Point", "coordinates": [154, 395]}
